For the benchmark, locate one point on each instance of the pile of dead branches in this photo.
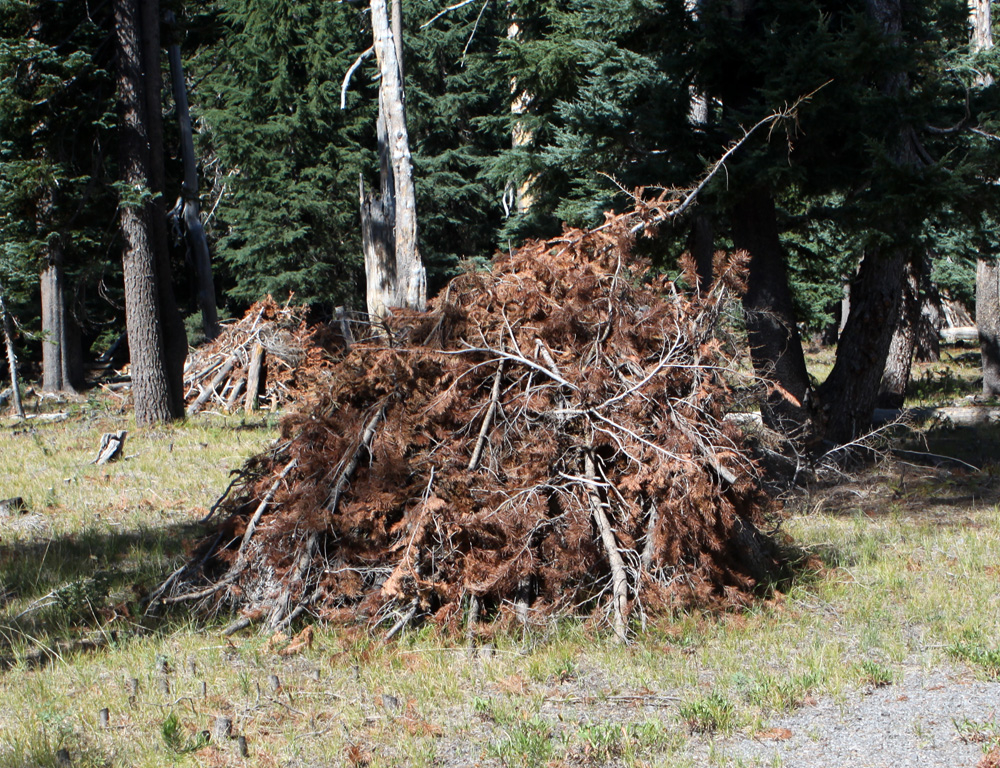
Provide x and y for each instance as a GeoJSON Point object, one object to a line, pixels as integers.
{"type": "Point", "coordinates": [269, 358]}
{"type": "Point", "coordinates": [547, 437]}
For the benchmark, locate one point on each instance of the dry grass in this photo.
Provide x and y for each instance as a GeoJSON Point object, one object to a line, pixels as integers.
{"type": "Point", "coordinates": [904, 572]}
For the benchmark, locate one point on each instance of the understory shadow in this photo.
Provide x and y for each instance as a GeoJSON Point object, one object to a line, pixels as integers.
{"type": "Point", "coordinates": [84, 590]}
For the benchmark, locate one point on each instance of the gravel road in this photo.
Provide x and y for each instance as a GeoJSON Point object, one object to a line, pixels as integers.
{"type": "Point", "coordinates": [917, 722]}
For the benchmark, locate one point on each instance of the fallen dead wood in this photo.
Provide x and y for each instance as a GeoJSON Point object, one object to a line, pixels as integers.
{"type": "Point", "coordinates": [548, 437]}
{"type": "Point", "coordinates": [268, 359]}
{"type": "Point", "coordinates": [112, 447]}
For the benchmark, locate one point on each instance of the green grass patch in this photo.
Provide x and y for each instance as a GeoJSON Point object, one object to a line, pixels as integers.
{"type": "Point", "coordinates": [898, 578]}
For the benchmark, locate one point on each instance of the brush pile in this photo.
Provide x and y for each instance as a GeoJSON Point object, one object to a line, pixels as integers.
{"type": "Point", "coordinates": [547, 437]}
{"type": "Point", "coordinates": [269, 357]}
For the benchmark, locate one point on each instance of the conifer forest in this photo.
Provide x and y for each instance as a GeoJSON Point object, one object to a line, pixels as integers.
{"type": "Point", "coordinates": [167, 164]}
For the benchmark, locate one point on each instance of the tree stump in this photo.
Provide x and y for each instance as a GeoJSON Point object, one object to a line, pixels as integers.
{"type": "Point", "coordinates": [112, 447]}
{"type": "Point", "coordinates": [222, 729]}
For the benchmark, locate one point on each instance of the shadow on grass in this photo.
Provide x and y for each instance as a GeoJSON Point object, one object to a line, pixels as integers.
{"type": "Point", "coordinates": [85, 590]}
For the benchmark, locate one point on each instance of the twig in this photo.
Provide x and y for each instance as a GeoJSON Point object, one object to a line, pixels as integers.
{"type": "Point", "coordinates": [619, 580]}
{"type": "Point", "coordinates": [516, 358]}
{"type": "Point", "coordinates": [350, 72]}
{"type": "Point", "coordinates": [211, 389]}
{"type": "Point", "coordinates": [449, 9]}
{"type": "Point", "coordinates": [487, 420]}
{"type": "Point", "coordinates": [404, 620]}
{"type": "Point", "coordinates": [252, 525]}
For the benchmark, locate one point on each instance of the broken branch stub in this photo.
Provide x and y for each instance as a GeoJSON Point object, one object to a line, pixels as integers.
{"type": "Point", "coordinates": [547, 437]}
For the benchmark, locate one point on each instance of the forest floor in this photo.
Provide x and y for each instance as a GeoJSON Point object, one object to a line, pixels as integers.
{"type": "Point", "coordinates": [886, 653]}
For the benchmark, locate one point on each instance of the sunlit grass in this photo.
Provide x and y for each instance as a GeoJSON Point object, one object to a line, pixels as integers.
{"type": "Point", "coordinates": [886, 591]}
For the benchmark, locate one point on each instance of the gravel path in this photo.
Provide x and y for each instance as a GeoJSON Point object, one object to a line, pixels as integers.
{"type": "Point", "coordinates": [912, 723]}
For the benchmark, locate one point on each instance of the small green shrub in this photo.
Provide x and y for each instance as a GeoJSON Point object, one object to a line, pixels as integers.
{"type": "Point", "coordinates": [709, 714]}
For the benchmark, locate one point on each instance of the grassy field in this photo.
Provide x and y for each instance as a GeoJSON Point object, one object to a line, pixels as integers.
{"type": "Point", "coordinates": [906, 572]}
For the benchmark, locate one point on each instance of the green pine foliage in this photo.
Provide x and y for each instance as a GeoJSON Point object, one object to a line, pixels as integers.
{"type": "Point", "coordinates": [56, 153]}
{"type": "Point", "coordinates": [455, 91]}
{"type": "Point", "coordinates": [284, 158]}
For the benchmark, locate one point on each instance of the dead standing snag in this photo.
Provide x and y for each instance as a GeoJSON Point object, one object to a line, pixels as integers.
{"type": "Point", "coordinates": [553, 437]}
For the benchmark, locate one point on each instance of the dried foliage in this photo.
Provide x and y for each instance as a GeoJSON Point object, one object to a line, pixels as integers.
{"type": "Point", "coordinates": [292, 355]}
{"type": "Point", "coordinates": [548, 436]}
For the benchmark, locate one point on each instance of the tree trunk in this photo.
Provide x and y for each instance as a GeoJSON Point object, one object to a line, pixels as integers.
{"type": "Point", "coordinates": [775, 346]}
{"type": "Point", "coordinates": [847, 398]}
{"type": "Point", "coordinates": [988, 322]}
{"type": "Point", "coordinates": [931, 319]}
{"type": "Point", "coordinates": [848, 395]}
{"type": "Point", "coordinates": [404, 282]}
{"type": "Point", "coordinates": [151, 389]}
{"type": "Point", "coordinates": [701, 243]}
{"type": "Point", "coordinates": [8, 339]}
{"type": "Point", "coordinates": [899, 360]}
{"type": "Point", "coordinates": [518, 194]}
{"type": "Point", "coordinates": [61, 368]}
{"type": "Point", "coordinates": [189, 214]}
{"type": "Point", "coordinates": [987, 266]}
{"type": "Point", "coordinates": [174, 335]}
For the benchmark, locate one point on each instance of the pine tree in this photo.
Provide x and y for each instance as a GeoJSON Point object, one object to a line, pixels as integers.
{"type": "Point", "coordinates": [55, 192]}
{"type": "Point", "coordinates": [286, 157]}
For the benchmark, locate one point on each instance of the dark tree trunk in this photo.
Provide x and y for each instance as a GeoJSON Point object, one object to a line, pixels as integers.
{"type": "Point", "coordinates": [188, 213]}
{"type": "Point", "coordinates": [174, 335]}
{"type": "Point", "coordinates": [151, 390]}
{"type": "Point", "coordinates": [847, 397]}
{"type": "Point", "coordinates": [701, 243]}
{"type": "Point", "coordinates": [775, 346]}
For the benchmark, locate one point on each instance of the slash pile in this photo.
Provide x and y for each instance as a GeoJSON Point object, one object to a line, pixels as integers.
{"type": "Point", "coordinates": [547, 437]}
{"type": "Point", "coordinates": [271, 356]}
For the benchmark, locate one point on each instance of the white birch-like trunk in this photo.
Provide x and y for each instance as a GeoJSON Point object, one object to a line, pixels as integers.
{"type": "Point", "coordinates": [404, 282]}
{"type": "Point", "coordinates": [8, 338]}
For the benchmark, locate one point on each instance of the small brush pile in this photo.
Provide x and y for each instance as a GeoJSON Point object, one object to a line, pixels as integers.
{"type": "Point", "coordinates": [269, 357]}
{"type": "Point", "coordinates": [547, 437]}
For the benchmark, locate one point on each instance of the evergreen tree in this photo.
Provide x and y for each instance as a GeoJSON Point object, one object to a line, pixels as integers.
{"type": "Point", "coordinates": [268, 103]}
{"type": "Point", "coordinates": [55, 187]}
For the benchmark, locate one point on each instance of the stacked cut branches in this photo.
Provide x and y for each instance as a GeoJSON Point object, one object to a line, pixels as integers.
{"type": "Point", "coordinates": [268, 356]}
{"type": "Point", "coordinates": [548, 437]}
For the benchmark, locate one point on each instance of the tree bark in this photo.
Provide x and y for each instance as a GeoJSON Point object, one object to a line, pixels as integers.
{"type": "Point", "coordinates": [987, 265]}
{"type": "Point", "coordinates": [404, 282]}
{"type": "Point", "coordinates": [848, 395]}
{"type": "Point", "coordinates": [189, 214]}
{"type": "Point", "coordinates": [174, 334]}
{"type": "Point", "coordinates": [701, 243]}
{"type": "Point", "coordinates": [988, 322]}
{"type": "Point", "coordinates": [518, 194]}
{"type": "Point", "coordinates": [775, 345]}
{"type": "Point", "coordinates": [61, 365]}
{"type": "Point", "coordinates": [930, 319]}
{"type": "Point", "coordinates": [151, 389]}
{"type": "Point", "coordinates": [899, 360]}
